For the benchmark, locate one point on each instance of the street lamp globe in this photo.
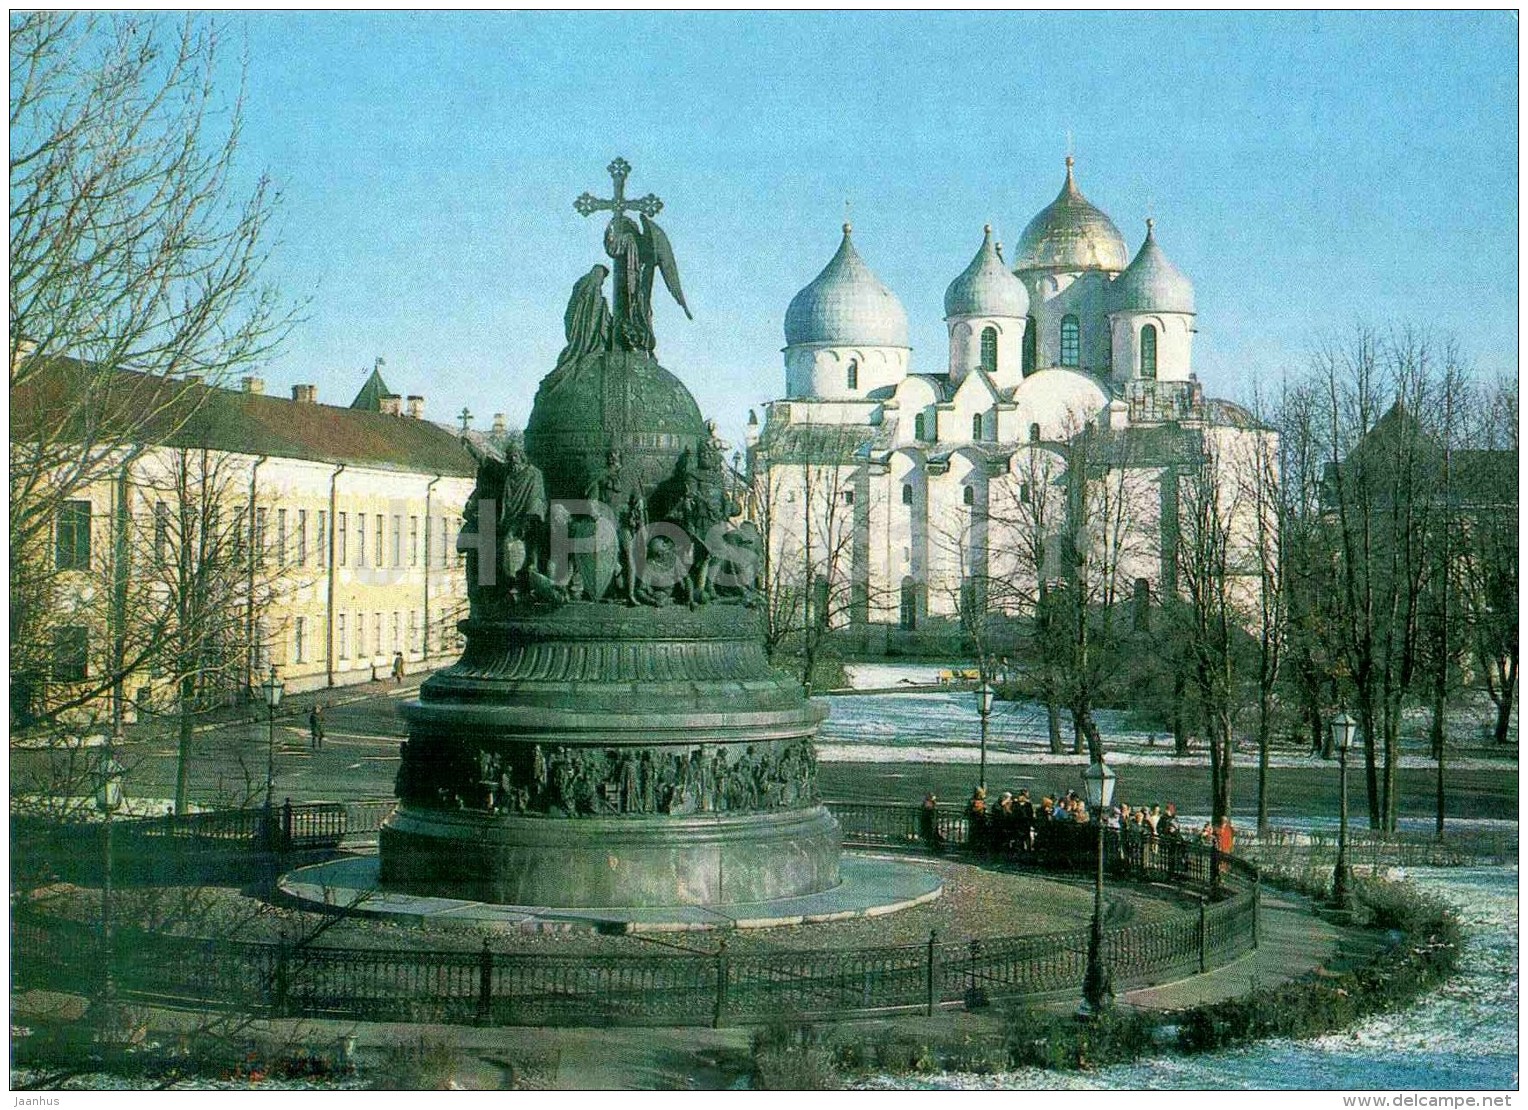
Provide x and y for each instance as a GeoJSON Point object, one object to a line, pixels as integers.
{"type": "Point", "coordinates": [1343, 727]}
{"type": "Point", "coordinates": [1098, 780]}
{"type": "Point", "coordinates": [984, 698]}
{"type": "Point", "coordinates": [272, 688]}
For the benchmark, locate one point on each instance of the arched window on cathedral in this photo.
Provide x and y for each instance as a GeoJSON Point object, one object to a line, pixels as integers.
{"type": "Point", "coordinates": [1031, 346]}
{"type": "Point", "coordinates": [989, 350]}
{"type": "Point", "coordinates": [976, 425]}
{"type": "Point", "coordinates": [1071, 341]}
{"type": "Point", "coordinates": [968, 495]}
{"type": "Point", "coordinates": [1149, 351]}
{"type": "Point", "coordinates": [853, 373]}
{"type": "Point", "coordinates": [907, 493]}
{"type": "Point", "coordinates": [1034, 433]}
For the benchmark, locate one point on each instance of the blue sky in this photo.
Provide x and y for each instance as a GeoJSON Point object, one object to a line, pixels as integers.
{"type": "Point", "coordinates": [1305, 170]}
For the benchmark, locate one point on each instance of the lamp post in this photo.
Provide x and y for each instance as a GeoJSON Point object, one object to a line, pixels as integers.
{"type": "Point", "coordinates": [1343, 727]}
{"type": "Point", "coordinates": [1097, 992]}
{"type": "Point", "coordinates": [108, 799]}
{"type": "Point", "coordinates": [271, 688]}
{"type": "Point", "coordinates": [984, 708]}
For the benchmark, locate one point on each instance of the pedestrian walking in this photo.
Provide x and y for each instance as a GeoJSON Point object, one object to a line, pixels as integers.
{"type": "Point", "coordinates": [398, 668]}
{"type": "Point", "coordinates": [316, 727]}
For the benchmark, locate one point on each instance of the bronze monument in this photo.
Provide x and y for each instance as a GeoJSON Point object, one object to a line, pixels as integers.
{"type": "Point", "coordinates": [613, 734]}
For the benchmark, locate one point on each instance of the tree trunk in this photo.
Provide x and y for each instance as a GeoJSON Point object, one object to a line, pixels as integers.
{"type": "Point", "coordinates": [1366, 721]}
{"type": "Point", "coordinates": [1053, 725]}
{"type": "Point", "coordinates": [1504, 704]}
{"type": "Point", "coordinates": [183, 753]}
{"type": "Point", "coordinates": [1264, 727]}
{"type": "Point", "coordinates": [1180, 732]}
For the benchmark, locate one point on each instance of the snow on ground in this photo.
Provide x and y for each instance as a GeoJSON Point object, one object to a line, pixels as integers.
{"type": "Point", "coordinates": [1463, 1037]}
{"type": "Point", "coordinates": [940, 726]}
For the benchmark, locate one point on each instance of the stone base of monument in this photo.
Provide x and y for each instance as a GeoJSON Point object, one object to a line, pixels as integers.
{"type": "Point", "coordinates": [610, 861]}
{"type": "Point", "coordinates": [868, 886]}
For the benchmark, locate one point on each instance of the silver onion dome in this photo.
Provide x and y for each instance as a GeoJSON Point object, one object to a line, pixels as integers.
{"type": "Point", "coordinates": [1151, 283]}
{"type": "Point", "coordinates": [1071, 234]}
{"type": "Point", "coordinates": [847, 304]}
{"type": "Point", "coordinates": [986, 287]}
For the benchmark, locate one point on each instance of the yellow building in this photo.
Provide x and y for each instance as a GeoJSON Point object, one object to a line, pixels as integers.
{"type": "Point", "coordinates": [351, 515]}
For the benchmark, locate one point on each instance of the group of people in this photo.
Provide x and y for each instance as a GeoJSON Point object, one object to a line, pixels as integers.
{"type": "Point", "coordinates": [1014, 823]}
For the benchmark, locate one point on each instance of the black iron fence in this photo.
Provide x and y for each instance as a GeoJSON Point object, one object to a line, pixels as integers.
{"type": "Point", "coordinates": [302, 978]}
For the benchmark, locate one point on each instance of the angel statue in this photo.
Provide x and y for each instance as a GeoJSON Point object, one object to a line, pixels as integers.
{"type": "Point", "coordinates": [636, 253]}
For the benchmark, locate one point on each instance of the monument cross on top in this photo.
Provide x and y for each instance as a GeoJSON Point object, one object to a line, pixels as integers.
{"type": "Point", "coordinates": [619, 170]}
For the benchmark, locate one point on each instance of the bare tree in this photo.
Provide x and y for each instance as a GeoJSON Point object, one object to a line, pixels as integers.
{"type": "Point", "coordinates": [132, 249]}
{"type": "Point", "coordinates": [808, 490]}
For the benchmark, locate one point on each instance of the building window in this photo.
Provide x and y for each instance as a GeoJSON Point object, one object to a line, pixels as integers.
{"type": "Point", "coordinates": [443, 541]}
{"type": "Point", "coordinates": [297, 630]}
{"type": "Point", "coordinates": [302, 537]}
{"type": "Point", "coordinates": [853, 373]}
{"type": "Point", "coordinates": [968, 495]}
{"type": "Point", "coordinates": [397, 631]}
{"type": "Point", "coordinates": [281, 537]}
{"type": "Point", "coordinates": [360, 536]}
{"type": "Point", "coordinates": [413, 629]}
{"type": "Point", "coordinates": [989, 350]}
{"type": "Point", "coordinates": [1031, 346]}
{"type": "Point", "coordinates": [342, 538]}
{"type": "Point", "coordinates": [413, 544]}
{"type": "Point", "coordinates": [1149, 351]}
{"type": "Point", "coordinates": [909, 613]}
{"type": "Point", "coordinates": [1034, 433]}
{"type": "Point", "coordinates": [339, 634]}
{"type": "Point", "coordinates": [397, 541]}
{"type": "Point", "coordinates": [976, 426]}
{"type": "Point", "coordinates": [260, 537]}
{"type": "Point", "coordinates": [73, 546]}
{"type": "Point", "coordinates": [161, 530]}
{"type": "Point", "coordinates": [71, 656]}
{"type": "Point", "coordinates": [380, 560]}
{"type": "Point", "coordinates": [323, 536]}
{"type": "Point", "coordinates": [1024, 493]}
{"type": "Point", "coordinates": [376, 633]}
{"type": "Point", "coordinates": [907, 493]}
{"type": "Point", "coordinates": [461, 526]}
{"type": "Point", "coordinates": [919, 427]}
{"type": "Point", "coordinates": [848, 497]}
{"type": "Point", "coordinates": [1071, 341]}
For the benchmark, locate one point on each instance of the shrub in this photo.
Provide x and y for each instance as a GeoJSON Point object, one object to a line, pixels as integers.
{"type": "Point", "coordinates": [425, 1064]}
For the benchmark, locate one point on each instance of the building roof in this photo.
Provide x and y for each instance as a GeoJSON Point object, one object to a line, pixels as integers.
{"type": "Point", "coordinates": [370, 397]}
{"type": "Point", "coordinates": [846, 304]}
{"type": "Point", "coordinates": [1151, 283]}
{"type": "Point", "coordinates": [176, 412]}
{"type": "Point", "coordinates": [1071, 234]}
{"type": "Point", "coordinates": [986, 287]}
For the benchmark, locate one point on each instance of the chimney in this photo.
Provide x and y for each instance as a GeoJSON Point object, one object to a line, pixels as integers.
{"type": "Point", "coordinates": [416, 406]}
{"type": "Point", "coordinates": [305, 394]}
{"type": "Point", "coordinates": [392, 404]}
{"type": "Point", "coordinates": [499, 427]}
{"type": "Point", "coordinates": [254, 385]}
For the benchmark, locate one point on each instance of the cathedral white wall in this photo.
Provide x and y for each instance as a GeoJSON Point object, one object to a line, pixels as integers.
{"type": "Point", "coordinates": [821, 371]}
{"type": "Point", "coordinates": [1175, 344]}
{"type": "Point", "coordinates": [1060, 401]}
{"type": "Point", "coordinates": [1052, 297]}
{"type": "Point", "coordinates": [966, 346]}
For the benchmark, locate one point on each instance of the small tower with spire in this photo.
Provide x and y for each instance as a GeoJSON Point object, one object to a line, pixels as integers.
{"type": "Point", "coordinates": [984, 309]}
{"type": "Point", "coordinates": [1151, 317]}
{"type": "Point", "coordinates": [845, 333]}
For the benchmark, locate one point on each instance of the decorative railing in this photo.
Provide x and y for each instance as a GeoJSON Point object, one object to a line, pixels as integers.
{"type": "Point", "coordinates": [672, 988]}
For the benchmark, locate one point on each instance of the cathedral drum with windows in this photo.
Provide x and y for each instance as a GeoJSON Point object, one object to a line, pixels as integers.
{"type": "Point", "coordinates": [1070, 341]}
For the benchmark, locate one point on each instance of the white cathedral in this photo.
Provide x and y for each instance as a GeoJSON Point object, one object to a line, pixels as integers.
{"type": "Point", "coordinates": [905, 498]}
